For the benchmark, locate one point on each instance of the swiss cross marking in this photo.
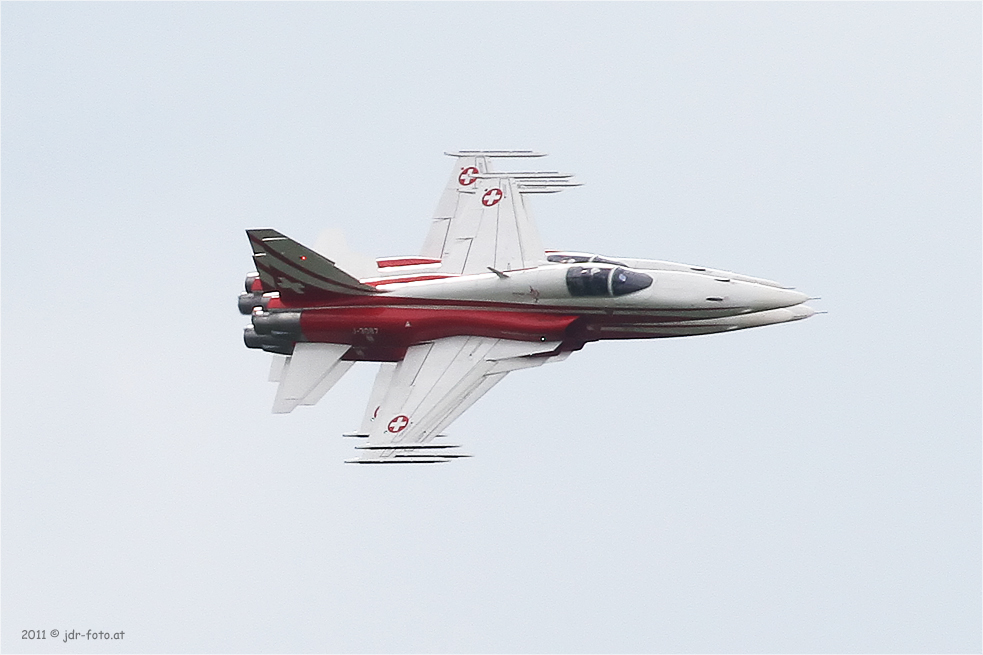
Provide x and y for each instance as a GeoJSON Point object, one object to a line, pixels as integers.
{"type": "Point", "coordinates": [467, 176]}
{"type": "Point", "coordinates": [491, 197]}
{"type": "Point", "coordinates": [398, 424]}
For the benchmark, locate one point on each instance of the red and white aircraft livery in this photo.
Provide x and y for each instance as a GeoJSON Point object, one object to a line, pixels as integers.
{"type": "Point", "coordinates": [482, 299]}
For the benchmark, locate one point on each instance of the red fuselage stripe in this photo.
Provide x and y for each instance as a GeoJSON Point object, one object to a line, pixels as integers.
{"type": "Point", "coordinates": [410, 278]}
{"type": "Point", "coordinates": [404, 261]}
{"type": "Point", "coordinates": [396, 327]}
{"type": "Point", "coordinates": [439, 305]}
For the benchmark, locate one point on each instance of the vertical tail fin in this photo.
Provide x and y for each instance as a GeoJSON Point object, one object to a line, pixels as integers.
{"type": "Point", "coordinates": [299, 273]}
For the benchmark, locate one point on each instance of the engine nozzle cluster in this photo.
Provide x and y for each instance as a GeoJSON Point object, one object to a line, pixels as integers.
{"type": "Point", "coordinates": [272, 332]}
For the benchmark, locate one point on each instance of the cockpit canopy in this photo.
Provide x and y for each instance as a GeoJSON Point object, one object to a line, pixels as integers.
{"type": "Point", "coordinates": [579, 258]}
{"type": "Point", "coordinates": [605, 281]}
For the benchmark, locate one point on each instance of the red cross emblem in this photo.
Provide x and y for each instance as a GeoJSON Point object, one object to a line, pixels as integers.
{"type": "Point", "coordinates": [398, 424]}
{"type": "Point", "coordinates": [491, 197]}
{"type": "Point", "coordinates": [467, 175]}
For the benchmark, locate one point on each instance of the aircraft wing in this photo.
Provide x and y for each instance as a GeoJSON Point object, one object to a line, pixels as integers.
{"type": "Point", "coordinates": [468, 165]}
{"type": "Point", "coordinates": [482, 219]}
{"type": "Point", "coordinates": [493, 230]}
{"type": "Point", "coordinates": [433, 384]}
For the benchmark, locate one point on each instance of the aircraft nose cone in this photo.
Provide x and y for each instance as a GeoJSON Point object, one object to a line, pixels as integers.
{"type": "Point", "coordinates": [795, 297]}
{"type": "Point", "coordinates": [766, 297]}
{"type": "Point", "coordinates": [800, 312]}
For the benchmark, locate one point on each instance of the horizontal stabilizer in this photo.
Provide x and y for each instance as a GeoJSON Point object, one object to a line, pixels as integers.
{"type": "Point", "coordinates": [308, 374]}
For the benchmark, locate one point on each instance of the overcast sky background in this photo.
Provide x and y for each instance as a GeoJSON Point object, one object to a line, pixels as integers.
{"type": "Point", "coordinates": [809, 487]}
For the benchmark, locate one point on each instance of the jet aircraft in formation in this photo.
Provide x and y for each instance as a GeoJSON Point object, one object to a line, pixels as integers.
{"type": "Point", "coordinates": [483, 298]}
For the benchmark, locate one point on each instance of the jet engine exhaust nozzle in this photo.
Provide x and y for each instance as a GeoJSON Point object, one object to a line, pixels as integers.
{"type": "Point", "coordinates": [285, 323]}
{"type": "Point", "coordinates": [250, 301]}
{"type": "Point", "coordinates": [267, 342]}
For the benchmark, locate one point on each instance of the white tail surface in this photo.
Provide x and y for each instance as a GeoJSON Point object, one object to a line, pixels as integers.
{"type": "Point", "coordinates": [308, 374]}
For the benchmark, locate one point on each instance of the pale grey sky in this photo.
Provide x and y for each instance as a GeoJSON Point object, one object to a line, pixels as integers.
{"type": "Point", "coordinates": [812, 487]}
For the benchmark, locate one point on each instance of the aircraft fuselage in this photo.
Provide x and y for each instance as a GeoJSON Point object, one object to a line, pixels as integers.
{"type": "Point", "coordinates": [573, 302]}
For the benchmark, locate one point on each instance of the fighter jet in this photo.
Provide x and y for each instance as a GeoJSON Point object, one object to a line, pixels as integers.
{"type": "Point", "coordinates": [482, 299]}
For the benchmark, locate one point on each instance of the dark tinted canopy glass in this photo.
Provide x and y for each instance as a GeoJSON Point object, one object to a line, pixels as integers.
{"type": "Point", "coordinates": [624, 281]}
{"type": "Point", "coordinates": [557, 258]}
{"type": "Point", "coordinates": [604, 281]}
{"type": "Point", "coordinates": [570, 258]}
{"type": "Point", "coordinates": [588, 280]}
